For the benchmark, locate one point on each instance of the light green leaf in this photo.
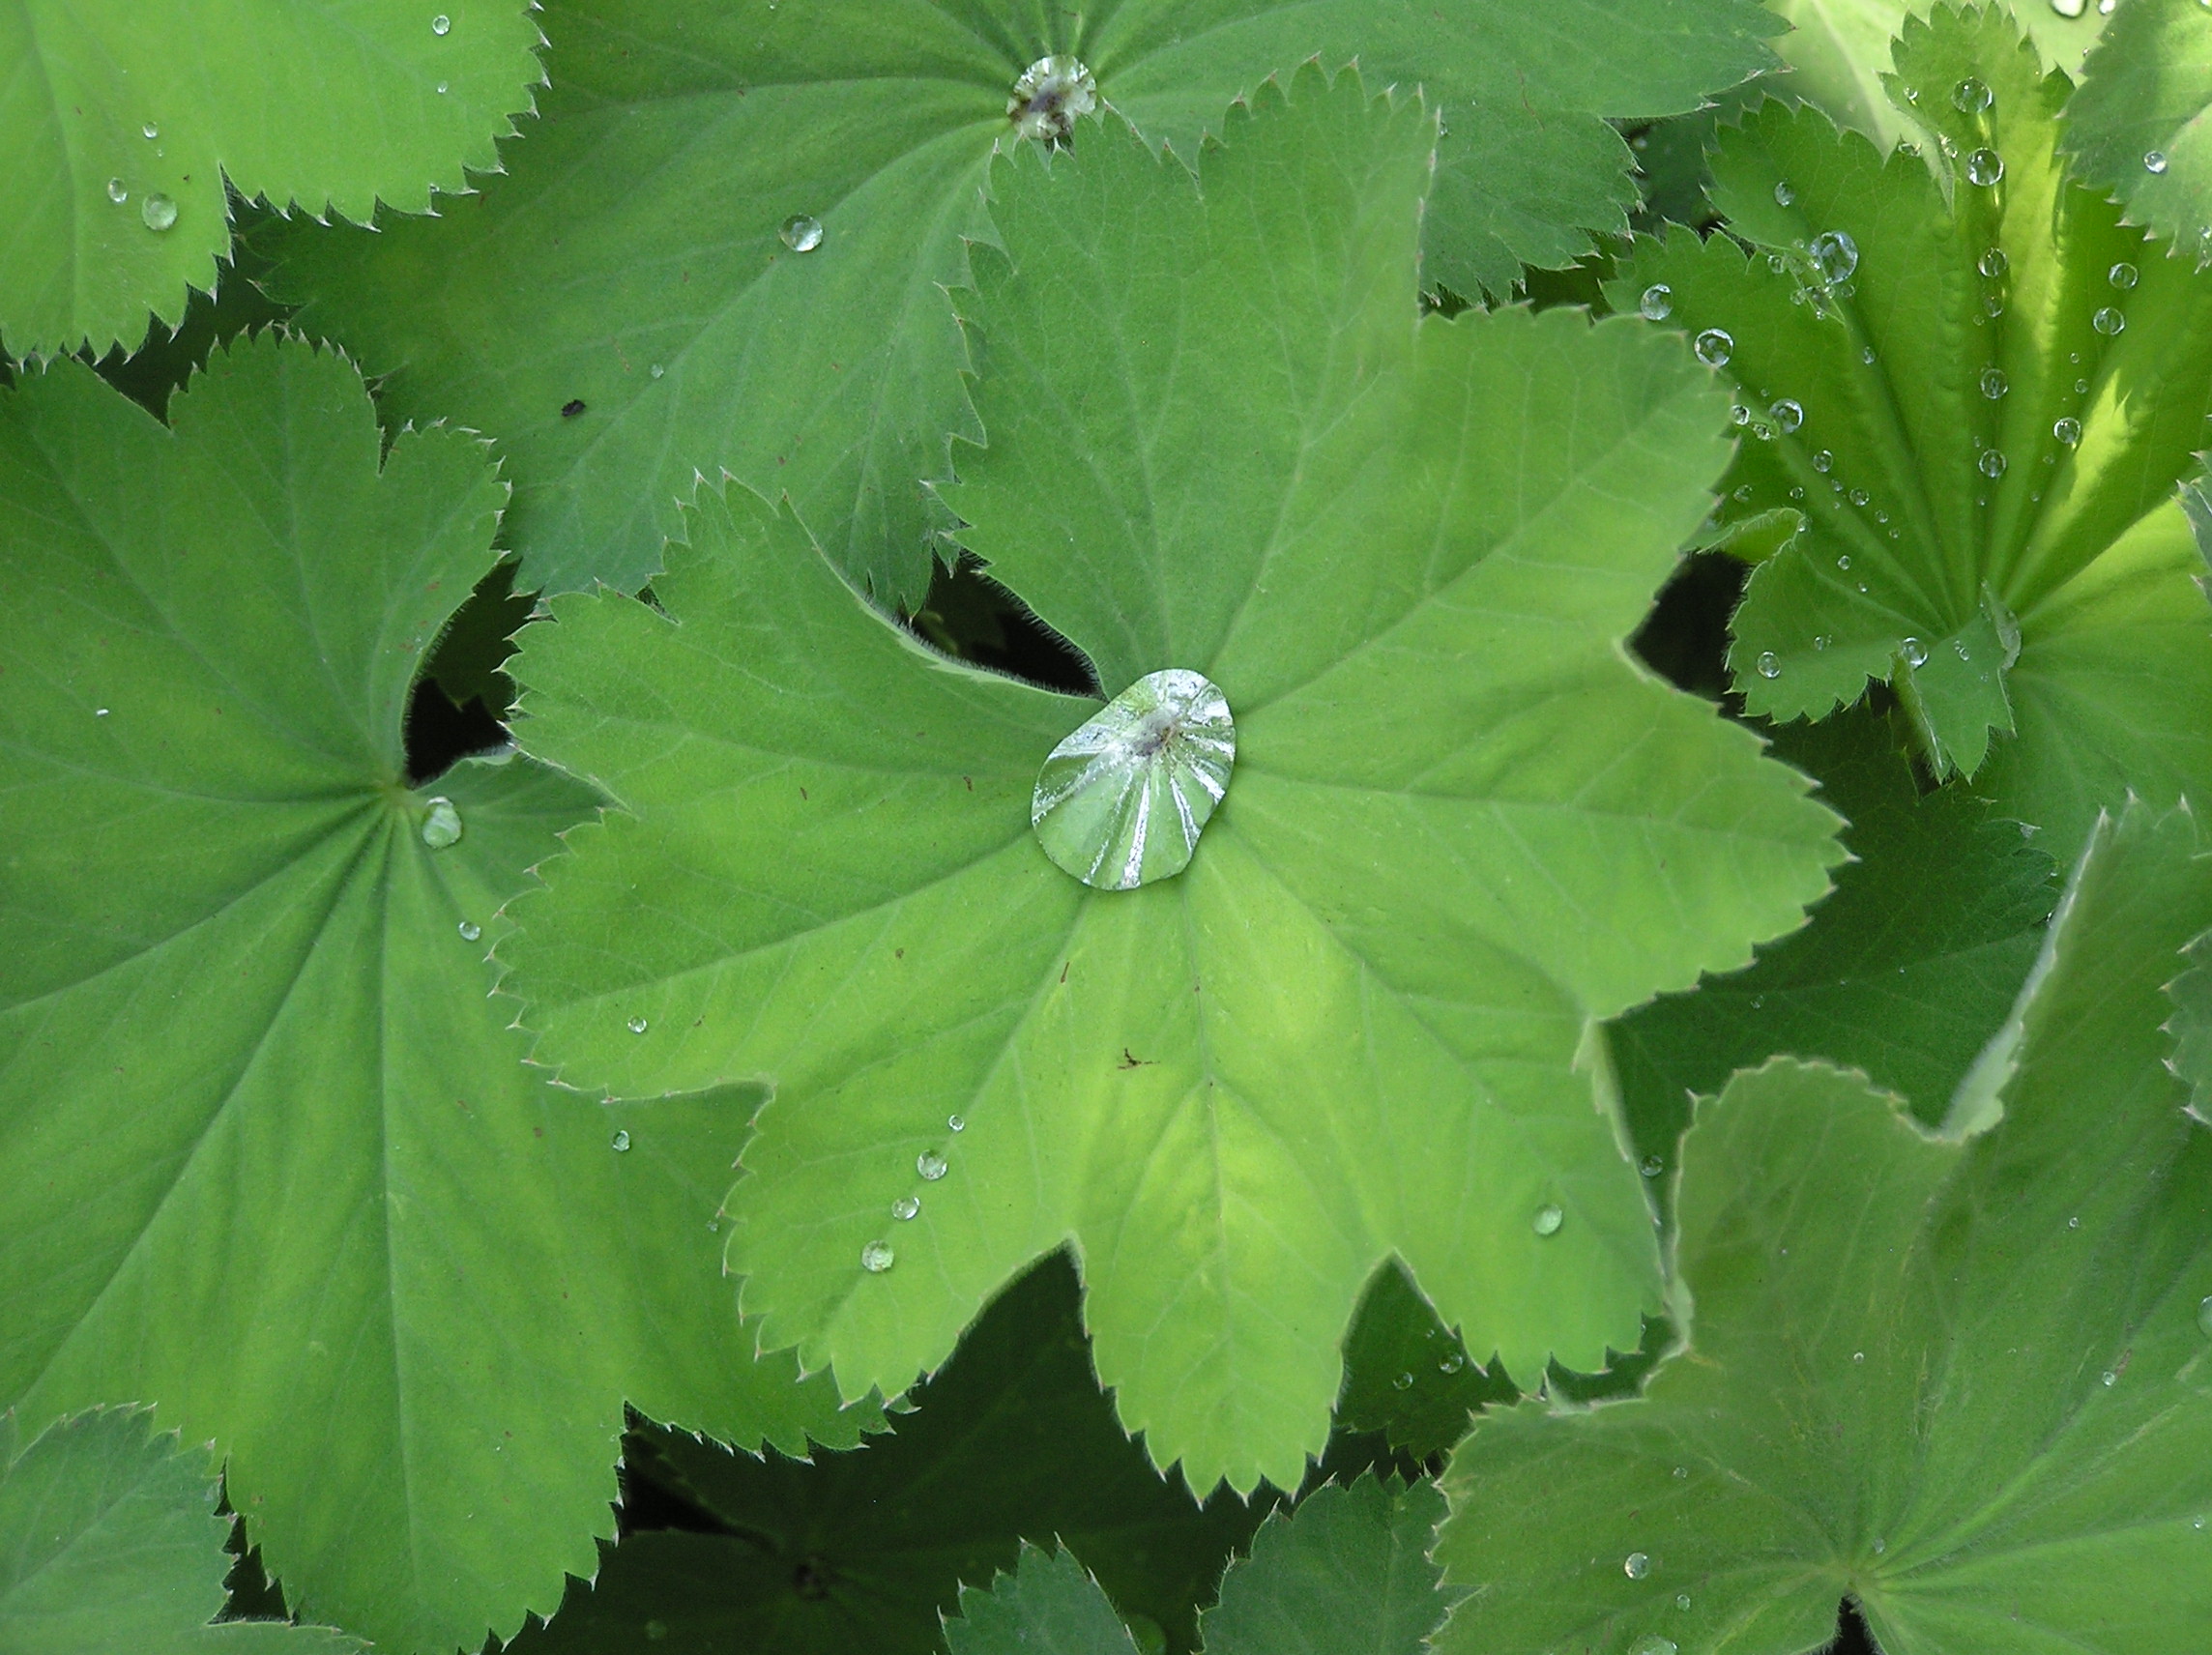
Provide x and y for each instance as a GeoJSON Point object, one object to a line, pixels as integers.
{"type": "Point", "coordinates": [268, 1156]}
{"type": "Point", "coordinates": [1985, 468]}
{"type": "Point", "coordinates": [1906, 972]}
{"type": "Point", "coordinates": [1838, 51]}
{"type": "Point", "coordinates": [2136, 128]}
{"type": "Point", "coordinates": [864, 1549]}
{"type": "Point", "coordinates": [633, 263]}
{"type": "Point", "coordinates": [1461, 824]}
{"type": "Point", "coordinates": [112, 108]}
{"type": "Point", "coordinates": [109, 1541]}
{"type": "Point", "coordinates": [2192, 1026]}
{"type": "Point", "coordinates": [1964, 1382]}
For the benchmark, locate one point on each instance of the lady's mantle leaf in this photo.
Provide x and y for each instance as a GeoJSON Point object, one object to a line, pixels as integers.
{"type": "Point", "coordinates": [121, 120]}
{"type": "Point", "coordinates": [109, 1541]}
{"type": "Point", "coordinates": [1348, 1572]}
{"type": "Point", "coordinates": [2137, 127]}
{"type": "Point", "coordinates": [629, 306]}
{"type": "Point", "coordinates": [1461, 824]}
{"type": "Point", "coordinates": [1980, 410]}
{"type": "Point", "coordinates": [1967, 1382]}
{"type": "Point", "coordinates": [269, 1159]}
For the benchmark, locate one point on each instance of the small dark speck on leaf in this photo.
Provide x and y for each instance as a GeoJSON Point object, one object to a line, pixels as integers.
{"type": "Point", "coordinates": [1064, 965]}
{"type": "Point", "coordinates": [971, 781]}
{"type": "Point", "coordinates": [803, 793]}
{"type": "Point", "coordinates": [898, 953]}
{"type": "Point", "coordinates": [809, 1582]}
{"type": "Point", "coordinates": [571, 408]}
{"type": "Point", "coordinates": [1130, 1061]}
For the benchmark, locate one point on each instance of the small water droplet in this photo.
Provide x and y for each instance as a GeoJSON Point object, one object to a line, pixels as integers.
{"type": "Point", "coordinates": [1681, 1472]}
{"type": "Point", "coordinates": [2204, 1316]}
{"type": "Point", "coordinates": [100, 712]}
{"type": "Point", "coordinates": [1994, 383]}
{"type": "Point", "coordinates": [2108, 322]}
{"type": "Point", "coordinates": [1657, 302]}
{"type": "Point", "coordinates": [443, 87]}
{"type": "Point", "coordinates": [1714, 346]}
{"type": "Point", "coordinates": [1959, 649]}
{"type": "Point", "coordinates": [906, 1206]}
{"type": "Point", "coordinates": [1451, 1363]}
{"type": "Point", "coordinates": [657, 370]}
{"type": "Point", "coordinates": [1879, 1545]}
{"type": "Point", "coordinates": [876, 1258]}
{"type": "Point", "coordinates": [1993, 304]}
{"type": "Point", "coordinates": [151, 130]}
{"type": "Point", "coordinates": [2074, 1223]}
{"type": "Point", "coordinates": [1991, 463]}
{"type": "Point", "coordinates": [2080, 388]}
{"type": "Point", "coordinates": [1915, 653]}
{"type": "Point", "coordinates": [801, 232]}
{"type": "Point", "coordinates": [2067, 429]}
{"type": "Point", "coordinates": [1835, 255]}
{"type": "Point", "coordinates": [157, 212]}
{"type": "Point", "coordinates": [1403, 1382]}
{"type": "Point", "coordinates": [1681, 1600]}
{"type": "Point", "coordinates": [1972, 96]}
{"type": "Point", "coordinates": [1787, 412]}
{"type": "Point", "coordinates": [620, 1140]}
{"type": "Point", "coordinates": [471, 930]}
{"type": "Point", "coordinates": [118, 192]}
{"type": "Point", "coordinates": [1993, 263]}
{"type": "Point", "coordinates": [1743, 491]}
{"type": "Point", "coordinates": [2109, 1378]}
{"type": "Point", "coordinates": [1823, 460]}
{"type": "Point", "coordinates": [956, 1124]}
{"type": "Point", "coordinates": [1985, 168]}
{"type": "Point", "coordinates": [1652, 1166]}
{"type": "Point", "coordinates": [1739, 414]}
{"type": "Point", "coordinates": [2154, 160]}
{"type": "Point", "coordinates": [1636, 1565]}
{"type": "Point", "coordinates": [1858, 1355]}
{"type": "Point", "coordinates": [1860, 496]}
{"type": "Point", "coordinates": [1547, 1220]}
{"type": "Point", "coordinates": [1652, 1643]}
{"type": "Point", "coordinates": [1784, 195]}
{"type": "Point", "coordinates": [1820, 641]}
{"type": "Point", "coordinates": [441, 25]}
{"type": "Point", "coordinates": [1843, 559]}
{"type": "Point", "coordinates": [930, 1165]}
{"type": "Point", "coordinates": [441, 823]}
{"type": "Point", "coordinates": [2123, 275]}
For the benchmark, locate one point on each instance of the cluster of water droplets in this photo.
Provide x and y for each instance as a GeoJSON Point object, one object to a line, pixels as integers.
{"type": "Point", "coordinates": [155, 211]}
{"type": "Point", "coordinates": [931, 1167]}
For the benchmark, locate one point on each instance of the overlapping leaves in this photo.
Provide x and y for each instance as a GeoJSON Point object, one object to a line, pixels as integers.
{"type": "Point", "coordinates": [122, 119]}
{"type": "Point", "coordinates": [1976, 390]}
{"type": "Point", "coordinates": [1461, 824]}
{"type": "Point", "coordinates": [2138, 125]}
{"type": "Point", "coordinates": [269, 1158]}
{"type": "Point", "coordinates": [1966, 1381]}
{"type": "Point", "coordinates": [629, 308]}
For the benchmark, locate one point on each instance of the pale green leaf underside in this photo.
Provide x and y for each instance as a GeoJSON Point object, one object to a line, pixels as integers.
{"type": "Point", "coordinates": [109, 1541]}
{"type": "Point", "coordinates": [633, 263]}
{"type": "Point", "coordinates": [2138, 127]}
{"type": "Point", "coordinates": [1461, 824]}
{"type": "Point", "coordinates": [1952, 539]}
{"type": "Point", "coordinates": [1965, 1382]}
{"type": "Point", "coordinates": [269, 1158]}
{"type": "Point", "coordinates": [1049, 1605]}
{"type": "Point", "coordinates": [329, 108]}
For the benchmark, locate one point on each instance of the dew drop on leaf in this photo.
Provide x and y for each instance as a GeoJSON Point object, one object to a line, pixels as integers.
{"type": "Point", "coordinates": [930, 1165]}
{"type": "Point", "coordinates": [1783, 195]}
{"type": "Point", "coordinates": [1121, 802]}
{"type": "Point", "coordinates": [2204, 1316]}
{"type": "Point", "coordinates": [1823, 460]}
{"type": "Point", "coordinates": [1657, 302]}
{"type": "Point", "coordinates": [2123, 275]}
{"type": "Point", "coordinates": [151, 130]}
{"type": "Point", "coordinates": [1652, 1643]}
{"type": "Point", "coordinates": [440, 824]}
{"type": "Point", "coordinates": [1787, 412]}
{"type": "Point", "coordinates": [1985, 168]}
{"type": "Point", "coordinates": [956, 1124]}
{"type": "Point", "coordinates": [2154, 161]}
{"type": "Point", "coordinates": [1991, 463]}
{"type": "Point", "coordinates": [1714, 346]}
{"type": "Point", "coordinates": [1994, 383]}
{"type": "Point", "coordinates": [801, 232]}
{"type": "Point", "coordinates": [1681, 1600]}
{"type": "Point", "coordinates": [470, 931]}
{"type": "Point", "coordinates": [1768, 666]}
{"type": "Point", "coordinates": [2067, 429]}
{"type": "Point", "coordinates": [1993, 263]}
{"type": "Point", "coordinates": [636, 1025]}
{"type": "Point", "coordinates": [118, 192]}
{"type": "Point", "coordinates": [1548, 1219]}
{"type": "Point", "coordinates": [2108, 321]}
{"type": "Point", "coordinates": [2069, 8]}
{"type": "Point", "coordinates": [1636, 1565]}
{"type": "Point", "coordinates": [1050, 97]}
{"type": "Point", "coordinates": [1860, 496]}
{"type": "Point", "coordinates": [620, 1142]}
{"type": "Point", "coordinates": [159, 212]}
{"type": "Point", "coordinates": [1652, 1166]}
{"type": "Point", "coordinates": [1915, 653]}
{"type": "Point", "coordinates": [1451, 1363]}
{"type": "Point", "coordinates": [1403, 1382]}
{"type": "Point", "coordinates": [1835, 255]}
{"type": "Point", "coordinates": [906, 1206]}
{"type": "Point", "coordinates": [1972, 96]}
{"type": "Point", "coordinates": [876, 1258]}
{"type": "Point", "coordinates": [441, 25]}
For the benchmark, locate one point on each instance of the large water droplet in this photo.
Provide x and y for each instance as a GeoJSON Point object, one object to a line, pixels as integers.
{"type": "Point", "coordinates": [157, 212]}
{"type": "Point", "coordinates": [801, 232]}
{"type": "Point", "coordinates": [1985, 168]}
{"type": "Point", "coordinates": [470, 931]}
{"type": "Point", "coordinates": [1789, 414]}
{"type": "Point", "coordinates": [876, 1258]}
{"type": "Point", "coordinates": [930, 1165]}
{"type": "Point", "coordinates": [1657, 302]}
{"type": "Point", "coordinates": [1991, 463]}
{"type": "Point", "coordinates": [1122, 800]}
{"type": "Point", "coordinates": [118, 192]}
{"type": "Point", "coordinates": [1993, 263]}
{"type": "Point", "coordinates": [1714, 346]}
{"type": "Point", "coordinates": [2108, 321]}
{"type": "Point", "coordinates": [441, 25]}
{"type": "Point", "coordinates": [2154, 160]}
{"type": "Point", "coordinates": [1835, 255]}
{"type": "Point", "coordinates": [2069, 8]}
{"type": "Point", "coordinates": [1768, 666]}
{"type": "Point", "coordinates": [1547, 1220]}
{"type": "Point", "coordinates": [2067, 429]}
{"type": "Point", "coordinates": [906, 1206]}
{"type": "Point", "coordinates": [1050, 97]}
{"type": "Point", "coordinates": [1915, 653]}
{"type": "Point", "coordinates": [1783, 195]}
{"type": "Point", "coordinates": [620, 1142]}
{"type": "Point", "coordinates": [1823, 460]}
{"type": "Point", "coordinates": [1636, 1565]}
{"type": "Point", "coordinates": [151, 130]}
{"type": "Point", "coordinates": [2123, 275]}
{"type": "Point", "coordinates": [1972, 96]}
{"type": "Point", "coordinates": [441, 823]}
{"type": "Point", "coordinates": [1994, 383]}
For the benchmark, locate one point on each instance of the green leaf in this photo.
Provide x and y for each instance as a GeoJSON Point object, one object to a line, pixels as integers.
{"type": "Point", "coordinates": [110, 108]}
{"type": "Point", "coordinates": [2049, 600]}
{"type": "Point", "coordinates": [2136, 128]}
{"type": "Point", "coordinates": [1406, 1374]}
{"type": "Point", "coordinates": [633, 263]}
{"type": "Point", "coordinates": [1347, 1571]}
{"type": "Point", "coordinates": [267, 1155]}
{"type": "Point", "coordinates": [1964, 1380]}
{"type": "Point", "coordinates": [1838, 51]}
{"type": "Point", "coordinates": [109, 1541]}
{"type": "Point", "coordinates": [1461, 824]}
{"type": "Point", "coordinates": [1906, 972]}
{"type": "Point", "coordinates": [864, 1549]}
